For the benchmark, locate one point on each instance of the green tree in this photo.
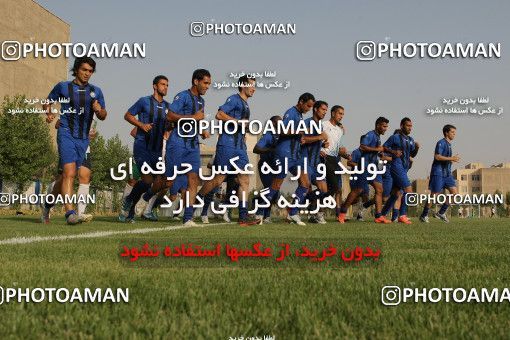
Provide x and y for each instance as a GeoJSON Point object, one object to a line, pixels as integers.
{"type": "Point", "coordinates": [26, 149]}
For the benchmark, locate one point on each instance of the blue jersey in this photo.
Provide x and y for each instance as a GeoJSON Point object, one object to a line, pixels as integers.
{"type": "Point", "coordinates": [290, 146]}
{"type": "Point", "coordinates": [403, 143]}
{"type": "Point", "coordinates": [356, 156]}
{"type": "Point", "coordinates": [312, 150]}
{"type": "Point", "coordinates": [442, 168]}
{"type": "Point", "coordinates": [185, 103]}
{"type": "Point", "coordinates": [268, 140]}
{"type": "Point", "coordinates": [77, 114]}
{"type": "Point", "coordinates": [373, 140]}
{"type": "Point", "coordinates": [149, 110]}
{"type": "Point", "coordinates": [236, 107]}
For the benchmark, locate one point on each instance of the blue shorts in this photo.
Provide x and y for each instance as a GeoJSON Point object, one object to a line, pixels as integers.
{"type": "Point", "coordinates": [438, 183]}
{"type": "Point", "coordinates": [360, 183]}
{"type": "Point", "coordinates": [387, 181]}
{"type": "Point", "coordinates": [292, 166]}
{"type": "Point", "coordinates": [180, 183]}
{"type": "Point", "coordinates": [177, 155]}
{"type": "Point", "coordinates": [70, 149]}
{"type": "Point", "coordinates": [141, 154]}
{"type": "Point", "coordinates": [313, 174]}
{"type": "Point", "coordinates": [224, 154]}
{"type": "Point", "coordinates": [400, 178]}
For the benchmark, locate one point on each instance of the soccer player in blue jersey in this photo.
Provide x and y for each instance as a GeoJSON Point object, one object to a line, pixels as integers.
{"type": "Point", "coordinates": [84, 177]}
{"type": "Point", "coordinates": [235, 111]}
{"type": "Point", "coordinates": [183, 146]}
{"type": "Point", "coordinates": [84, 102]}
{"type": "Point", "coordinates": [371, 150]}
{"type": "Point", "coordinates": [441, 173]}
{"type": "Point", "coordinates": [402, 148]}
{"type": "Point", "coordinates": [313, 142]}
{"type": "Point", "coordinates": [387, 181]}
{"type": "Point", "coordinates": [147, 148]}
{"type": "Point", "coordinates": [288, 149]}
{"type": "Point", "coordinates": [265, 147]}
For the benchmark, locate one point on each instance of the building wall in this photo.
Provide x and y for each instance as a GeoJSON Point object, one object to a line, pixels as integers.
{"type": "Point", "coordinates": [475, 178]}
{"type": "Point", "coordinates": [421, 186]}
{"type": "Point", "coordinates": [492, 179]}
{"type": "Point", "coordinates": [27, 21]}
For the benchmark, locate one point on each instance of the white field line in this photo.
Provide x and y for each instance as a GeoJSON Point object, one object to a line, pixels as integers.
{"type": "Point", "coordinates": [98, 234]}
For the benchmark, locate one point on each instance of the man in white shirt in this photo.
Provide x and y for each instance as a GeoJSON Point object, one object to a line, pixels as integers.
{"type": "Point", "coordinates": [334, 152]}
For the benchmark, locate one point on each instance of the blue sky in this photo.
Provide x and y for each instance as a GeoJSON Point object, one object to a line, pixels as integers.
{"type": "Point", "coordinates": [319, 58]}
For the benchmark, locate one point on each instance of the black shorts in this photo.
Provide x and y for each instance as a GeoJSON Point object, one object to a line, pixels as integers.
{"type": "Point", "coordinates": [333, 180]}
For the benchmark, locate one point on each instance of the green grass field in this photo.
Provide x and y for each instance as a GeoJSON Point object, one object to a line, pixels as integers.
{"type": "Point", "coordinates": [288, 302]}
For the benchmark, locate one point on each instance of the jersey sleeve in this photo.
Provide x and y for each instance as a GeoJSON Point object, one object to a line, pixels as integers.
{"type": "Point", "coordinates": [391, 143]}
{"type": "Point", "coordinates": [290, 117]}
{"type": "Point", "coordinates": [100, 97]}
{"type": "Point", "coordinates": [178, 104]}
{"type": "Point", "coordinates": [136, 108]}
{"type": "Point", "coordinates": [440, 148]}
{"type": "Point", "coordinates": [413, 147]}
{"type": "Point", "coordinates": [367, 139]}
{"type": "Point", "coordinates": [229, 106]}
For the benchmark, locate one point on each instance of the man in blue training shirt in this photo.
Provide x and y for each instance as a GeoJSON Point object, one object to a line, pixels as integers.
{"type": "Point", "coordinates": [313, 142]}
{"type": "Point", "coordinates": [84, 101]}
{"type": "Point", "coordinates": [183, 146]}
{"type": "Point", "coordinates": [402, 147]}
{"type": "Point", "coordinates": [441, 173]}
{"type": "Point", "coordinates": [147, 148]}
{"type": "Point", "coordinates": [387, 181]}
{"type": "Point", "coordinates": [265, 147]}
{"type": "Point", "coordinates": [288, 149]}
{"type": "Point", "coordinates": [231, 145]}
{"type": "Point", "coordinates": [371, 151]}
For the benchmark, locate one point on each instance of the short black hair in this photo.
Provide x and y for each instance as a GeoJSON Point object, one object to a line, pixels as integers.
{"type": "Point", "coordinates": [244, 80]}
{"type": "Point", "coordinates": [447, 128]}
{"type": "Point", "coordinates": [200, 74]}
{"type": "Point", "coordinates": [318, 104]}
{"type": "Point", "coordinates": [306, 97]}
{"type": "Point", "coordinates": [381, 120]}
{"type": "Point", "coordinates": [83, 60]}
{"type": "Point", "coordinates": [405, 120]}
{"type": "Point", "coordinates": [275, 119]}
{"type": "Point", "coordinates": [335, 108]}
{"type": "Point", "coordinates": [158, 78]}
